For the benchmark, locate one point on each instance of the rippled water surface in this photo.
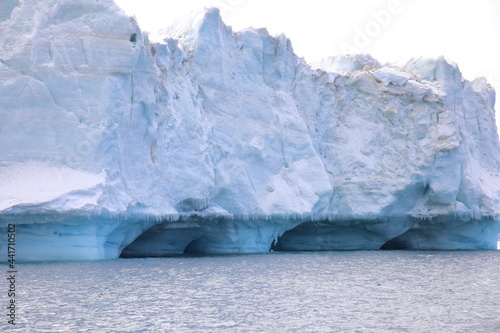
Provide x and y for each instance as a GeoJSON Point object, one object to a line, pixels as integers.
{"type": "Point", "coordinates": [379, 291]}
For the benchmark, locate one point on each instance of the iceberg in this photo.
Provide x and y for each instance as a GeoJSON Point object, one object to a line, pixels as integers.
{"type": "Point", "coordinates": [215, 141]}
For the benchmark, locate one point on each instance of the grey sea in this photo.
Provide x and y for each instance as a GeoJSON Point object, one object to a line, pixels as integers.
{"type": "Point", "coordinates": [363, 291]}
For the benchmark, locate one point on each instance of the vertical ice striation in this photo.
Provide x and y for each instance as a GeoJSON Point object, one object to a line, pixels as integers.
{"type": "Point", "coordinates": [214, 141]}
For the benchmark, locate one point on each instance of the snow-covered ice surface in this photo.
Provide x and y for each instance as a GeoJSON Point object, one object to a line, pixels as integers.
{"type": "Point", "coordinates": [214, 141]}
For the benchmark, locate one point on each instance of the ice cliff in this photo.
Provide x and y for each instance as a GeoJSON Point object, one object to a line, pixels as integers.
{"type": "Point", "coordinates": [214, 141]}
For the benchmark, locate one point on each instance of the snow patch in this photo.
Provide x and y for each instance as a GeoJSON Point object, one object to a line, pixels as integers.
{"type": "Point", "coordinates": [34, 183]}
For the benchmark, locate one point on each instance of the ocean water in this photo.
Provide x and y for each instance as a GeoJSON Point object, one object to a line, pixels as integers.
{"type": "Point", "coordinates": [362, 291]}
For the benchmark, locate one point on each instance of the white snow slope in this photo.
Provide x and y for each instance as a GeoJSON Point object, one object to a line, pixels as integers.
{"type": "Point", "coordinates": [214, 141]}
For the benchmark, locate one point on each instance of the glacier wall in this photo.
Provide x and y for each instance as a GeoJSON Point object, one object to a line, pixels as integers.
{"type": "Point", "coordinates": [214, 141]}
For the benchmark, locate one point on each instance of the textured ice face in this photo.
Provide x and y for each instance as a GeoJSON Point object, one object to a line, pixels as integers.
{"type": "Point", "coordinates": [230, 143]}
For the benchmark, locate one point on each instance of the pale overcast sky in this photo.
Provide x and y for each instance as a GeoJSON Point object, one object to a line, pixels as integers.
{"type": "Point", "coordinates": [466, 32]}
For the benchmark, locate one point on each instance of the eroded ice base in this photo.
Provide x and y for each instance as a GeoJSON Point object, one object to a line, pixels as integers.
{"type": "Point", "coordinates": [440, 234]}
{"type": "Point", "coordinates": [57, 237]}
{"type": "Point", "coordinates": [231, 236]}
{"type": "Point", "coordinates": [54, 237]}
{"type": "Point", "coordinates": [342, 235]}
{"type": "Point", "coordinates": [197, 235]}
